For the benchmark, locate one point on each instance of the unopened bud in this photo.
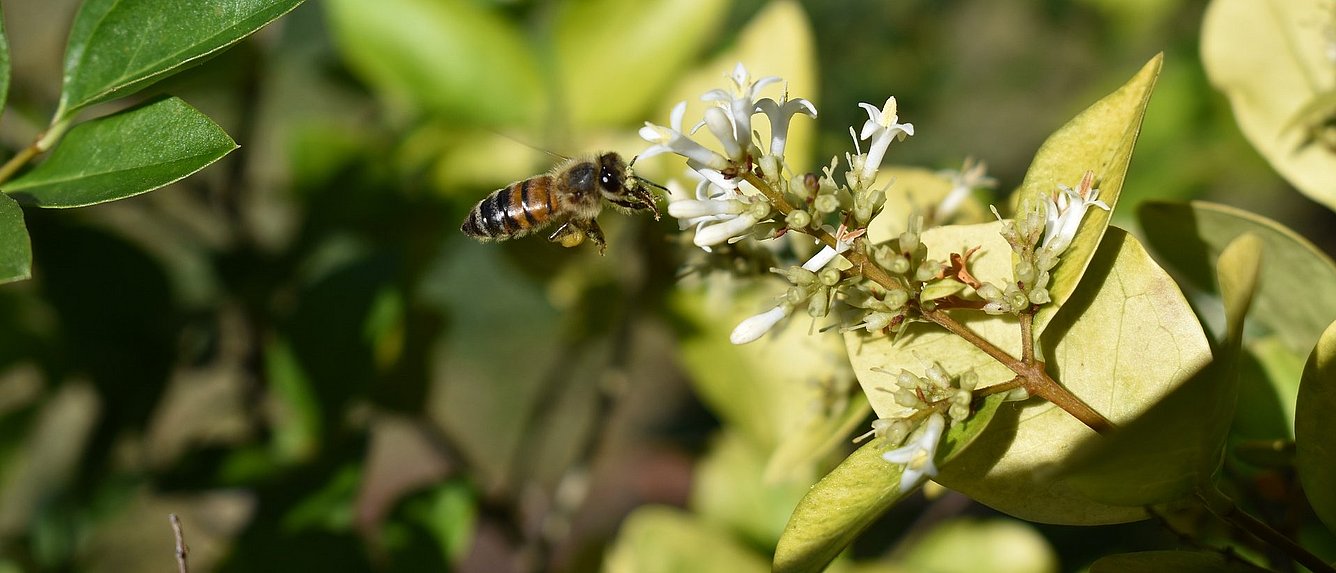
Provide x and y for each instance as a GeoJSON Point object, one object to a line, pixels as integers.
{"type": "Point", "coordinates": [798, 219]}
{"type": "Point", "coordinates": [829, 276]}
{"type": "Point", "coordinates": [826, 203]}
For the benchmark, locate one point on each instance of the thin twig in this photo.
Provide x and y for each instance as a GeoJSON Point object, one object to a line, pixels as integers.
{"type": "Point", "coordinates": [182, 550]}
{"type": "Point", "coordinates": [1224, 508]}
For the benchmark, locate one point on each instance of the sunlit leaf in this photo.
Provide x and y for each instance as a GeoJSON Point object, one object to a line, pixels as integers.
{"type": "Point", "coordinates": [1270, 59]}
{"type": "Point", "coordinates": [853, 495]}
{"type": "Point", "coordinates": [1297, 295]}
{"type": "Point", "coordinates": [794, 59]}
{"type": "Point", "coordinates": [657, 539]}
{"type": "Point", "coordinates": [771, 389]}
{"type": "Point", "coordinates": [729, 489]}
{"type": "Point", "coordinates": [15, 247]}
{"type": "Point", "coordinates": [1127, 340]}
{"type": "Point", "coordinates": [122, 155]}
{"type": "Point", "coordinates": [451, 57]}
{"type": "Point", "coordinates": [1136, 466]}
{"type": "Point", "coordinates": [1314, 425]}
{"type": "Point", "coordinates": [916, 190]}
{"type": "Point", "coordinates": [117, 47]}
{"type": "Point", "coordinates": [1173, 562]}
{"type": "Point", "coordinates": [967, 545]}
{"type": "Point", "coordinates": [613, 58]}
{"type": "Point", "coordinates": [1100, 139]}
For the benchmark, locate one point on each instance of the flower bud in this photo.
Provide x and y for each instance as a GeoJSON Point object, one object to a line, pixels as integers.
{"type": "Point", "coordinates": [938, 375]}
{"type": "Point", "coordinates": [899, 265]}
{"type": "Point", "coordinates": [906, 398]}
{"type": "Point", "coordinates": [990, 292]}
{"type": "Point", "coordinates": [877, 320]}
{"type": "Point", "coordinates": [907, 380]}
{"type": "Point", "coordinates": [798, 219]}
{"type": "Point", "coordinates": [1025, 272]}
{"type": "Point", "coordinates": [826, 203]}
{"type": "Point", "coordinates": [958, 412]}
{"type": "Point", "coordinates": [769, 165]}
{"type": "Point", "coordinates": [1039, 296]}
{"type": "Point", "coordinates": [896, 299]}
{"type": "Point", "coordinates": [819, 305]}
{"type": "Point", "coordinates": [795, 295]}
{"type": "Point", "coordinates": [967, 381]}
{"type": "Point", "coordinates": [927, 271]}
{"type": "Point", "coordinates": [829, 276]}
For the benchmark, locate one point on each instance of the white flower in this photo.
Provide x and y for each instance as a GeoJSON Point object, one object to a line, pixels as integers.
{"type": "Point", "coordinates": [718, 210]}
{"type": "Point", "coordinates": [844, 240]}
{"type": "Point", "coordinates": [1063, 213]}
{"type": "Point", "coordinates": [917, 455]}
{"type": "Point", "coordinates": [780, 112]}
{"type": "Point", "coordinates": [673, 140]}
{"type": "Point", "coordinates": [882, 126]}
{"type": "Point", "coordinates": [970, 177]}
{"type": "Point", "coordinates": [741, 104]}
{"type": "Point", "coordinates": [754, 327]}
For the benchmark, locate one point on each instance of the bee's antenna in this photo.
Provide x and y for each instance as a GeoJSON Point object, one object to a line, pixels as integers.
{"type": "Point", "coordinates": [647, 181]}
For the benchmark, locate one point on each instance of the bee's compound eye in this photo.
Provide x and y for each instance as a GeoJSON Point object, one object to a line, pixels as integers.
{"type": "Point", "coordinates": [608, 178]}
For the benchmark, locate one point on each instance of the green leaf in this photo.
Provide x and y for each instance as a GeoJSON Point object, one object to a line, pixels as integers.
{"type": "Point", "coordinates": [667, 540]}
{"type": "Point", "coordinates": [1128, 339]}
{"type": "Point", "coordinates": [916, 190]}
{"type": "Point", "coordinates": [967, 545]}
{"type": "Point", "coordinates": [1173, 562]}
{"type": "Point", "coordinates": [1268, 58]}
{"type": "Point", "coordinates": [853, 495]}
{"type": "Point", "coordinates": [729, 490]}
{"type": "Point", "coordinates": [451, 57]}
{"type": "Point", "coordinates": [646, 43]}
{"type": "Point", "coordinates": [793, 59]}
{"type": "Point", "coordinates": [122, 155]}
{"type": "Point", "coordinates": [4, 65]}
{"type": "Point", "coordinates": [1100, 139]}
{"type": "Point", "coordinates": [766, 389]}
{"type": "Point", "coordinates": [1314, 425]}
{"type": "Point", "coordinates": [1136, 466]}
{"type": "Point", "coordinates": [15, 247]}
{"type": "Point", "coordinates": [1297, 296]}
{"type": "Point", "coordinates": [118, 47]}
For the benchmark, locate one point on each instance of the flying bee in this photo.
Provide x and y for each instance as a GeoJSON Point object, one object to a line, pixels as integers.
{"type": "Point", "coordinates": [573, 192]}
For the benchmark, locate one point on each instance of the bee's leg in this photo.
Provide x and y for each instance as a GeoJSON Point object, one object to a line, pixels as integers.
{"type": "Point", "coordinates": [568, 235]}
{"type": "Point", "coordinates": [644, 195]}
{"type": "Point", "coordinates": [595, 234]}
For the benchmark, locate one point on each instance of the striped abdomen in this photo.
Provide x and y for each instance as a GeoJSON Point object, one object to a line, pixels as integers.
{"type": "Point", "coordinates": [512, 211]}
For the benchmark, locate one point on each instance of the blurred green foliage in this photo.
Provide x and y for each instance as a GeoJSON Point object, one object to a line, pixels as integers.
{"type": "Point", "coordinates": [297, 351]}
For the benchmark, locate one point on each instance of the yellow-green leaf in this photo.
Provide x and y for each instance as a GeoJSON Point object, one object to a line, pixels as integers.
{"type": "Point", "coordinates": [729, 490]}
{"type": "Point", "coordinates": [1297, 295]}
{"type": "Point", "coordinates": [1269, 58]}
{"type": "Point", "coordinates": [915, 189]}
{"type": "Point", "coordinates": [1137, 466]}
{"type": "Point", "coordinates": [967, 545]}
{"type": "Point", "coordinates": [1100, 139]}
{"type": "Point", "coordinates": [853, 495]}
{"type": "Point", "coordinates": [793, 59]}
{"type": "Point", "coordinates": [1128, 339]}
{"type": "Point", "coordinates": [450, 57]}
{"type": "Point", "coordinates": [614, 57]}
{"type": "Point", "coordinates": [770, 389]}
{"type": "Point", "coordinates": [1314, 426]}
{"type": "Point", "coordinates": [656, 539]}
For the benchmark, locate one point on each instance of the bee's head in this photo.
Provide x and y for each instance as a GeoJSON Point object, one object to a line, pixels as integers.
{"type": "Point", "coordinates": [611, 173]}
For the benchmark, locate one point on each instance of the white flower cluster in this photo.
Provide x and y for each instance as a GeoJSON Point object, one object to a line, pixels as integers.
{"type": "Point", "coordinates": [726, 208]}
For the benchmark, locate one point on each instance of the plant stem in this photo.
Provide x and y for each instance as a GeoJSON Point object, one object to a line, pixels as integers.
{"type": "Point", "coordinates": [1224, 508]}
{"type": "Point", "coordinates": [44, 141]}
{"type": "Point", "coordinates": [1032, 375]}
{"type": "Point", "coordinates": [865, 266]}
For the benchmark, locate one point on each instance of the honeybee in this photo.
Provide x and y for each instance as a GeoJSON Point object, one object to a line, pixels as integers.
{"type": "Point", "coordinates": [573, 192]}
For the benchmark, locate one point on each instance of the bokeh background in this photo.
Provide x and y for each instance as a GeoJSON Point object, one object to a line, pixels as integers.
{"type": "Point", "coordinates": [298, 352]}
